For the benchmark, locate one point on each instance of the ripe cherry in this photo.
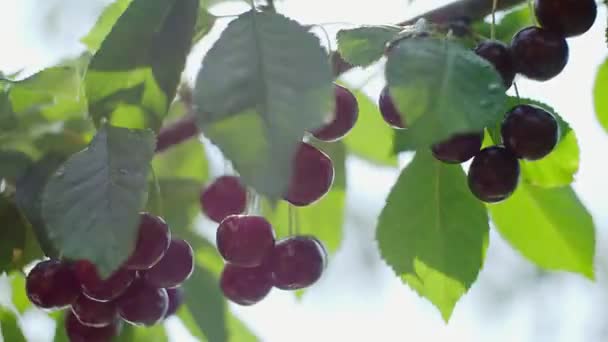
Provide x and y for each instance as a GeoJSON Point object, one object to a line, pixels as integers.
{"type": "Point", "coordinates": [566, 17]}
{"type": "Point", "coordinates": [297, 262]}
{"type": "Point", "coordinates": [312, 176]}
{"type": "Point", "coordinates": [174, 268]}
{"type": "Point", "coordinates": [176, 298]}
{"type": "Point", "coordinates": [103, 290]}
{"type": "Point", "coordinates": [51, 284]}
{"type": "Point", "coordinates": [539, 54]}
{"type": "Point", "coordinates": [225, 196]}
{"type": "Point", "coordinates": [459, 148]}
{"type": "Point", "coordinates": [530, 132]}
{"type": "Point", "coordinates": [343, 118]}
{"type": "Point", "coordinates": [78, 332]}
{"type": "Point", "coordinates": [246, 285]}
{"type": "Point", "coordinates": [143, 304]}
{"type": "Point", "coordinates": [152, 242]}
{"type": "Point", "coordinates": [389, 110]}
{"type": "Point", "coordinates": [499, 55]}
{"type": "Point", "coordinates": [245, 240]}
{"type": "Point", "coordinates": [494, 174]}
{"type": "Point", "coordinates": [93, 313]}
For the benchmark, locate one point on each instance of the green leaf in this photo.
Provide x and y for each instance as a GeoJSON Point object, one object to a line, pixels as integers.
{"type": "Point", "coordinates": [433, 232]}
{"type": "Point", "coordinates": [323, 219]}
{"type": "Point", "coordinates": [133, 77]}
{"type": "Point", "coordinates": [96, 197]}
{"type": "Point", "coordinates": [186, 160]}
{"type": "Point", "coordinates": [180, 202]}
{"type": "Point", "coordinates": [13, 164]}
{"type": "Point", "coordinates": [253, 105]}
{"type": "Point", "coordinates": [441, 88]}
{"type": "Point", "coordinates": [599, 94]}
{"type": "Point", "coordinates": [371, 138]}
{"type": "Point", "coordinates": [556, 232]}
{"type": "Point", "coordinates": [12, 236]}
{"type": "Point", "coordinates": [362, 46]}
{"type": "Point", "coordinates": [104, 24]}
{"type": "Point", "coordinates": [9, 326]}
{"type": "Point", "coordinates": [130, 333]}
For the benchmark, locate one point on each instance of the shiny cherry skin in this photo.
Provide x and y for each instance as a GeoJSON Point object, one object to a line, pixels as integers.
{"type": "Point", "coordinates": [499, 55]}
{"type": "Point", "coordinates": [493, 174]}
{"type": "Point", "coordinates": [459, 148]}
{"type": "Point", "coordinates": [343, 118]}
{"type": "Point", "coordinates": [52, 284]}
{"type": "Point", "coordinates": [567, 17]}
{"type": "Point", "coordinates": [297, 262]}
{"type": "Point", "coordinates": [312, 176]}
{"type": "Point", "coordinates": [389, 111]}
{"type": "Point", "coordinates": [245, 240]}
{"type": "Point", "coordinates": [539, 54]}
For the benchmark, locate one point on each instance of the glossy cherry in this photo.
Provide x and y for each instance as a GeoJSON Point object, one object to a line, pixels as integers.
{"type": "Point", "coordinates": [494, 174]}
{"type": "Point", "coordinates": [51, 284]}
{"type": "Point", "coordinates": [246, 285]}
{"type": "Point", "coordinates": [389, 111]}
{"type": "Point", "coordinates": [152, 242]}
{"type": "Point", "coordinates": [459, 148]}
{"type": "Point", "coordinates": [174, 268]}
{"type": "Point", "coordinates": [343, 117]}
{"type": "Point", "coordinates": [312, 176]}
{"type": "Point", "coordinates": [143, 304]}
{"type": "Point", "coordinates": [245, 240]}
{"type": "Point", "coordinates": [297, 262]}
{"type": "Point", "coordinates": [499, 55]}
{"type": "Point", "coordinates": [176, 298]}
{"type": "Point", "coordinates": [225, 196]}
{"type": "Point", "coordinates": [78, 332]}
{"type": "Point", "coordinates": [93, 313]}
{"type": "Point", "coordinates": [566, 17]}
{"type": "Point", "coordinates": [539, 54]}
{"type": "Point", "coordinates": [103, 290]}
{"type": "Point", "coordinates": [530, 132]}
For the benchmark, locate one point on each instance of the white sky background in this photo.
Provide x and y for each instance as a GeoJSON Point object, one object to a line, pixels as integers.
{"type": "Point", "coordinates": [359, 299]}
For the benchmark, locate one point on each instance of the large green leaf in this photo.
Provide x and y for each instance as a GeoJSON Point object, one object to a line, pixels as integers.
{"type": "Point", "coordinates": [262, 85]}
{"type": "Point", "coordinates": [372, 137]}
{"type": "Point", "coordinates": [104, 24]}
{"type": "Point", "coordinates": [130, 333]}
{"type": "Point", "coordinates": [186, 160]}
{"type": "Point", "coordinates": [180, 202]}
{"type": "Point", "coordinates": [599, 93]}
{"type": "Point", "coordinates": [96, 197]}
{"type": "Point", "coordinates": [551, 227]}
{"type": "Point", "coordinates": [362, 46]}
{"type": "Point", "coordinates": [441, 88]}
{"type": "Point", "coordinates": [323, 219]}
{"type": "Point", "coordinates": [133, 77]}
{"type": "Point", "coordinates": [433, 232]}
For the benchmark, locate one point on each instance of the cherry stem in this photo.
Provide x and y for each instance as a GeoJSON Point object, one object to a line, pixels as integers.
{"type": "Point", "coordinates": [493, 27]}
{"type": "Point", "coordinates": [177, 132]}
{"type": "Point", "coordinates": [516, 91]}
{"type": "Point", "coordinates": [290, 220]}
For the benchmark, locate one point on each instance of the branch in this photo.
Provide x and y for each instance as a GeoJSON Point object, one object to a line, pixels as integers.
{"type": "Point", "coordinates": [176, 132]}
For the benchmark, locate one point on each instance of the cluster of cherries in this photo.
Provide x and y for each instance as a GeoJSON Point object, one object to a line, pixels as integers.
{"type": "Point", "coordinates": [527, 131]}
{"type": "Point", "coordinates": [255, 261]}
{"type": "Point", "coordinates": [144, 291]}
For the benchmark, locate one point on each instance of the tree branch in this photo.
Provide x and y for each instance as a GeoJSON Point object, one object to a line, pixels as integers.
{"type": "Point", "coordinates": [461, 10]}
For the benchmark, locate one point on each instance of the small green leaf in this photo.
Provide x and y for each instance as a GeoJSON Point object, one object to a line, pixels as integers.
{"type": "Point", "coordinates": [96, 196]}
{"type": "Point", "coordinates": [253, 105]}
{"type": "Point", "coordinates": [441, 88]}
{"type": "Point", "coordinates": [372, 137]}
{"type": "Point", "coordinates": [133, 77]}
{"type": "Point", "coordinates": [599, 94]}
{"type": "Point", "coordinates": [433, 232]}
{"type": "Point", "coordinates": [104, 24]}
{"type": "Point", "coordinates": [13, 164]}
{"type": "Point", "coordinates": [550, 227]}
{"type": "Point", "coordinates": [323, 219]}
{"type": "Point", "coordinates": [362, 46]}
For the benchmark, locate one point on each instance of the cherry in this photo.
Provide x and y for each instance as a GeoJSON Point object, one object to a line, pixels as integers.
{"type": "Point", "coordinates": [78, 332]}
{"type": "Point", "coordinates": [312, 176]}
{"type": "Point", "coordinates": [152, 242]}
{"type": "Point", "coordinates": [93, 313]}
{"type": "Point", "coordinates": [225, 196]}
{"type": "Point", "coordinates": [245, 240]}
{"type": "Point", "coordinates": [566, 17]}
{"type": "Point", "coordinates": [297, 262]}
{"type": "Point", "coordinates": [498, 54]}
{"type": "Point", "coordinates": [102, 290]}
{"type": "Point", "coordinates": [176, 298]}
{"type": "Point", "coordinates": [539, 54]}
{"type": "Point", "coordinates": [343, 118]}
{"type": "Point", "coordinates": [494, 174]}
{"type": "Point", "coordinates": [143, 304]}
{"type": "Point", "coordinates": [246, 285]}
{"type": "Point", "coordinates": [51, 284]}
{"type": "Point", "coordinates": [529, 132]}
{"type": "Point", "coordinates": [389, 110]}
{"type": "Point", "coordinates": [459, 148]}
{"type": "Point", "coordinates": [174, 268]}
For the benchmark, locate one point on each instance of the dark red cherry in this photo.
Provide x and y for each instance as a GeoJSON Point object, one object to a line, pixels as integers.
{"type": "Point", "coordinates": [78, 332]}
{"type": "Point", "coordinates": [459, 148]}
{"type": "Point", "coordinates": [494, 174]}
{"type": "Point", "coordinates": [343, 118]}
{"type": "Point", "coordinates": [530, 132]}
{"type": "Point", "coordinates": [245, 240]}
{"type": "Point", "coordinates": [312, 176]}
{"type": "Point", "coordinates": [143, 304]}
{"type": "Point", "coordinates": [174, 268]}
{"type": "Point", "coordinates": [103, 290]}
{"type": "Point", "coordinates": [246, 285]}
{"type": "Point", "coordinates": [539, 54]}
{"type": "Point", "coordinates": [93, 313]}
{"type": "Point", "coordinates": [152, 242]}
{"type": "Point", "coordinates": [567, 17]}
{"type": "Point", "coordinates": [176, 298]}
{"type": "Point", "coordinates": [51, 284]}
{"type": "Point", "coordinates": [389, 110]}
{"type": "Point", "coordinates": [225, 196]}
{"type": "Point", "coordinates": [297, 262]}
{"type": "Point", "coordinates": [499, 55]}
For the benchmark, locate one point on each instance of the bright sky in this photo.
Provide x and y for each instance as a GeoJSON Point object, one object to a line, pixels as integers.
{"type": "Point", "coordinates": [359, 299]}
